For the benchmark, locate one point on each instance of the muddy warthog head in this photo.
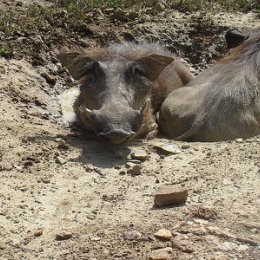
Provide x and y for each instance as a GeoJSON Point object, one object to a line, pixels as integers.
{"type": "Point", "coordinates": [115, 89]}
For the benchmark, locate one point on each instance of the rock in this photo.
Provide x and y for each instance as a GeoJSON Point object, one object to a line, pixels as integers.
{"type": "Point", "coordinates": [220, 232]}
{"type": "Point", "coordinates": [242, 248]}
{"type": "Point", "coordinates": [185, 146]}
{"type": "Point", "coordinates": [38, 232]}
{"type": "Point", "coordinates": [134, 161]}
{"type": "Point", "coordinates": [133, 15]}
{"type": "Point", "coordinates": [167, 148]}
{"type": "Point", "coordinates": [132, 235]}
{"type": "Point", "coordinates": [108, 10]}
{"type": "Point", "coordinates": [150, 3]}
{"type": "Point", "coordinates": [204, 213]}
{"type": "Point", "coordinates": [220, 256]}
{"type": "Point", "coordinates": [6, 166]}
{"type": "Point", "coordinates": [19, 3]}
{"type": "Point", "coordinates": [63, 235]}
{"type": "Point", "coordinates": [119, 15]}
{"type": "Point", "coordinates": [62, 145]}
{"type": "Point", "coordinates": [95, 238]}
{"type": "Point", "coordinates": [228, 246]}
{"type": "Point", "coordinates": [158, 7]}
{"type": "Point", "coordinates": [247, 241]}
{"type": "Point", "coordinates": [89, 167]}
{"type": "Point", "coordinates": [161, 254]}
{"type": "Point", "coordinates": [139, 155]}
{"type": "Point", "coordinates": [49, 79]}
{"type": "Point", "coordinates": [60, 160]}
{"type": "Point", "coordinates": [45, 180]}
{"type": "Point", "coordinates": [163, 234]}
{"type": "Point", "coordinates": [183, 245]}
{"type": "Point", "coordinates": [239, 140]}
{"type": "Point", "coordinates": [91, 216]}
{"type": "Point", "coordinates": [98, 12]}
{"type": "Point", "coordinates": [129, 165]}
{"type": "Point", "coordinates": [122, 172]}
{"type": "Point", "coordinates": [157, 245]}
{"type": "Point", "coordinates": [170, 195]}
{"type": "Point", "coordinates": [135, 170]}
{"type": "Point", "coordinates": [99, 171]}
{"type": "Point", "coordinates": [21, 39]}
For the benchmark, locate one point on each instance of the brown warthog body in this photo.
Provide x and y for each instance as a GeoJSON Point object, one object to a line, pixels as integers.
{"type": "Point", "coordinates": [122, 87]}
{"type": "Point", "coordinates": [220, 104]}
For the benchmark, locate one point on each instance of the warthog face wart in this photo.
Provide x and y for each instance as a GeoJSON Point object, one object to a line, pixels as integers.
{"type": "Point", "coordinates": [115, 89]}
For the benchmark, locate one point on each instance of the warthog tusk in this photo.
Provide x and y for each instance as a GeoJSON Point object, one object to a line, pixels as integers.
{"type": "Point", "coordinates": [146, 107]}
{"type": "Point", "coordinates": [85, 110]}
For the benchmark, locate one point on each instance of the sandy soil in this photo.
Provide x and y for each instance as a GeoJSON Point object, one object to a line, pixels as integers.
{"type": "Point", "coordinates": [56, 180]}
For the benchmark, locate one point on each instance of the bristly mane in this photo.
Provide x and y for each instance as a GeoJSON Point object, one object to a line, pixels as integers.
{"type": "Point", "coordinates": [129, 51]}
{"type": "Point", "coordinates": [247, 53]}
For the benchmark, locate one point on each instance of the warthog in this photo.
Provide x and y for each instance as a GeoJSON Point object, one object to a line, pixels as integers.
{"type": "Point", "coordinates": [122, 87]}
{"type": "Point", "coordinates": [221, 103]}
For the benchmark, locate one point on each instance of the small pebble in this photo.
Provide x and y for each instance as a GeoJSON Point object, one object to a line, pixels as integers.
{"type": "Point", "coordinates": [139, 155]}
{"type": "Point", "coordinates": [60, 160]}
{"type": "Point", "coordinates": [135, 170]}
{"type": "Point", "coordinates": [132, 235]}
{"type": "Point", "coordinates": [161, 254]}
{"type": "Point", "coordinates": [63, 235]}
{"type": "Point", "coordinates": [163, 234]}
{"type": "Point", "coordinates": [38, 232]}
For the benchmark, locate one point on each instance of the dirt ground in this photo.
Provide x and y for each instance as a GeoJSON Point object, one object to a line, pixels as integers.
{"type": "Point", "coordinates": [65, 195]}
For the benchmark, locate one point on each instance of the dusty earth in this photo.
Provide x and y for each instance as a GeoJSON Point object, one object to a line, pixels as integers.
{"type": "Point", "coordinates": [65, 195]}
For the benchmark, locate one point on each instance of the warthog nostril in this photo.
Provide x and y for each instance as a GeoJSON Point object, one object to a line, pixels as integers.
{"type": "Point", "coordinates": [117, 133]}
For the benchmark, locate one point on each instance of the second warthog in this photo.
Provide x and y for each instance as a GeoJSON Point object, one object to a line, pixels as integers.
{"type": "Point", "coordinates": [122, 88]}
{"type": "Point", "coordinates": [221, 103]}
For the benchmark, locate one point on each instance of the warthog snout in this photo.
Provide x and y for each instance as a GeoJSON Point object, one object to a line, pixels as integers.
{"type": "Point", "coordinates": [117, 136]}
{"type": "Point", "coordinates": [111, 124]}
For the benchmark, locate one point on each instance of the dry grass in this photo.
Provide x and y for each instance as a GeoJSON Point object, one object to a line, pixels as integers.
{"type": "Point", "coordinates": [185, 5]}
{"type": "Point", "coordinates": [230, 5]}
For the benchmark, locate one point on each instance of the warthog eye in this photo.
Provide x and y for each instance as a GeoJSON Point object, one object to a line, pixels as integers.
{"type": "Point", "coordinates": [133, 70]}
{"type": "Point", "coordinates": [92, 67]}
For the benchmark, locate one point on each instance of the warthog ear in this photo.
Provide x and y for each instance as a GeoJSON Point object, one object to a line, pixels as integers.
{"type": "Point", "coordinates": [234, 38]}
{"type": "Point", "coordinates": [154, 64]}
{"type": "Point", "coordinates": [77, 63]}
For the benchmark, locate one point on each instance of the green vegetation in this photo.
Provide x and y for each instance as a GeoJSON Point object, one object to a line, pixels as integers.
{"type": "Point", "coordinates": [6, 52]}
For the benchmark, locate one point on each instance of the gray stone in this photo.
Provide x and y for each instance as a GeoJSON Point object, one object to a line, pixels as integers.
{"type": "Point", "coordinates": [63, 235]}
{"type": "Point", "coordinates": [167, 148]}
{"type": "Point", "coordinates": [132, 235]}
{"type": "Point", "coordinates": [139, 155]}
{"type": "Point", "coordinates": [60, 160]}
{"type": "Point", "coordinates": [133, 15]}
{"type": "Point", "coordinates": [135, 170]}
